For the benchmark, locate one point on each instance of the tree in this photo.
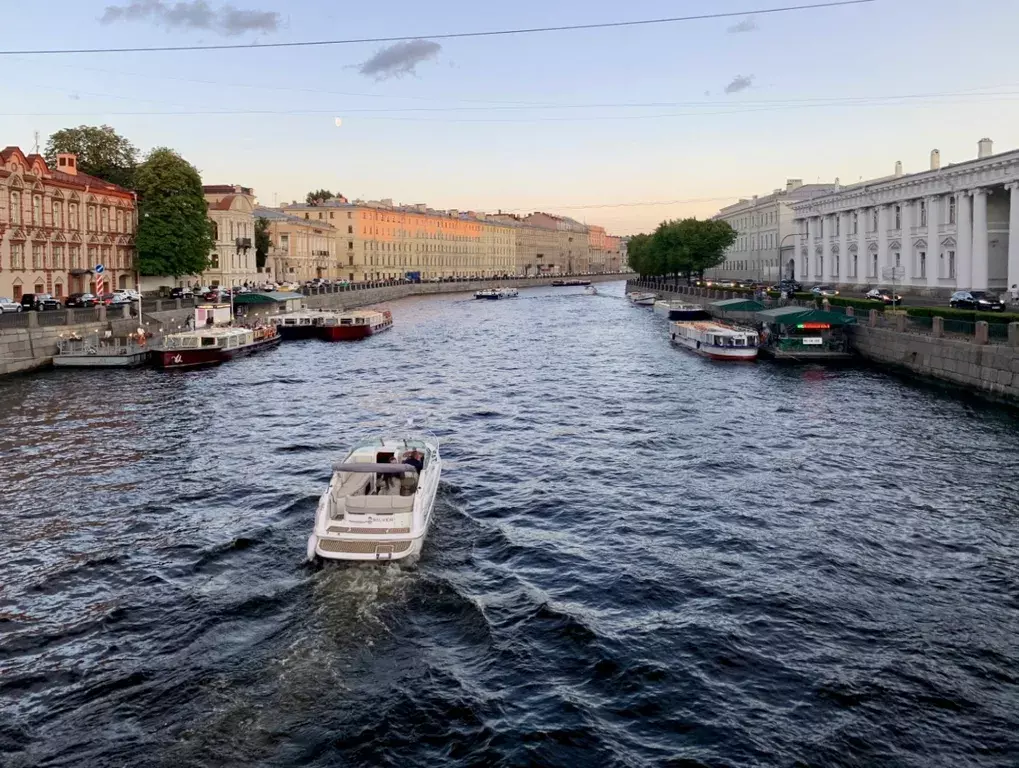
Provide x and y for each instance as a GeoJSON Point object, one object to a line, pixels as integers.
{"type": "Point", "coordinates": [174, 231]}
{"type": "Point", "coordinates": [320, 196]}
{"type": "Point", "coordinates": [262, 241]}
{"type": "Point", "coordinates": [101, 152]}
{"type": "Point", "coordinates": [680, 247]}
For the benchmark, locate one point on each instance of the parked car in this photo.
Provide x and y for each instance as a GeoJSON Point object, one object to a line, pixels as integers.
{"type": "Point", "coordinates": [83, 300]}
{"type": "Point", "coordinates": [181, 293]}
{"type": "Point", "coordinates": [217, 294]}
{"type": "Point", "coordinates": [789, 286]}
{"type": "Point", "coordinates": [121, 297]}
{"type": "Point", "coordinates": [979, 300]}
{"type": "Point", "coordinates": [6, 305]}
{"type": "Point", "coordinates": [39, 301]}
{"type": "Point", "coordinates": [824, 290]}
{"type": "Point", "coordinates": [883, 295]}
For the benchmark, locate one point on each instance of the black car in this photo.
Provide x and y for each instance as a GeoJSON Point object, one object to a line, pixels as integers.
{"type": "Point", "coordinates": [981, 301]}
{"type": "Point", "coordinates": [181, 293]}
{"type": "Point", "coordinates": [789, 286]}
{"type": "Point", "coordinates": [39, 301]}
{"type": "Point", "coordinates": [83, 300]}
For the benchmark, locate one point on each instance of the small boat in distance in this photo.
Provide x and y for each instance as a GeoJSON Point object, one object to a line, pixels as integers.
{"type": "Point", "coordinates": [211, 346]}
{"type": "Point", "coordinates": [590, 291]}
{"type": "Point", "coordinates": [715, 340]}
{"type": "Point", "coordinates": [642, 299]}
{"type": "Point", "coordinates": [677, 310]}
{"type": "Point", "coordinates": [509, 293]}
{"type": "Point", "coordinates": [492, 294]}
{"type": "Point", "coordinates": [570, 282]}
{"type": "Point", "coordinates": [359, 324]}
{"type": "Point", "coordinates": [379, 502]}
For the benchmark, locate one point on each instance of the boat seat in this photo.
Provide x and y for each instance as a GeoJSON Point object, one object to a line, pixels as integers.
{"type": "Point", "coordinates": [382, 504]}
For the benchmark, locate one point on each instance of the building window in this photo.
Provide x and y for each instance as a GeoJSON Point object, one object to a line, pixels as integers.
{"type": "Point", "coordinates": [91, 218]}
{"type": "Point", "coordinates": [875, 217]}
{"type": "Point", "coordinates": [57, 219]}
{"type": "Point", "coordinates": [75, 255]}
{"type": "Point", "coordinates": [873, 266]}
{"type": "Point", "coordinates": [104, 219]}
{"type": "Point", "coordinates": [951, 264]}
{"type": "Point", "coordinates": [38, 254]}
{"type": "Point", "coordinates": [58, 257]}
{"type": "Point", "coordinates": [838, 226]}
{"type": "Point", "coordinates": [40, 288]}
{"type": "Point", "coordinates": [17, 293]}
{"type": "Point", "coordinates": [855, 225]}
{"type": "Point", "coordinates": [349, 214]}
{"type": "Point", "coordinates": [923, 264]}
{"type": "Point", "coordinates": [951, 211]}
{"type": "Point", "coordinates": [923, 213]}
{"type": "Point", "coordinates": [37, 210]}
{"type": "Point", "coordinates": [120, 221]}
{"type": "Point", "coordinates": [853, 262]}
{"type": "Point", "coordinates": [350, 230]}
{"type": "Point", "coordinates": [898, 217]}
{"type": "Point", "coordinates": [72, 216]}
{"type": "Point", "coordinates": [17, 256]}
{"type": "Point", "coordinates": [58, 290]}
{"type": "Point", "coordinates": [15, 208]}
{"type": "Point", "coordinates": [331, 214]}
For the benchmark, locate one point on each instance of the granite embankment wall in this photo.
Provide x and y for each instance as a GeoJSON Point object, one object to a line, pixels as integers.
{"type": "Point", "coordinates": [33, 345]}
{"type": "Point", "coordinates": [986, 366]}
{"type": "Point", "coordinates": [989, 369]}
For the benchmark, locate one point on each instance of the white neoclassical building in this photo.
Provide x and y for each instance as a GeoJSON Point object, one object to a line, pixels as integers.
{"type": "Point", "coordinates": [765, 232]}
{"type": "Point", "coordinates": [934, 232]}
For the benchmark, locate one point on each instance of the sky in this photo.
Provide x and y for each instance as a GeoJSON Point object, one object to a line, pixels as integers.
{"type": "Point", "coordinates": [623, 127]}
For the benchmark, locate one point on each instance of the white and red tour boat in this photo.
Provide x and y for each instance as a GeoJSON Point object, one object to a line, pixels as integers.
{"type": "Point", "coordinates": [348, 326]}
{"type": "Point", "coordinates": [715, 340]}
{"type": "Point", "coordinates": [212, 345]}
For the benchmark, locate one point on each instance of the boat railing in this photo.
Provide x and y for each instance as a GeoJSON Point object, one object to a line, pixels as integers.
{"type": "Point", "coordinates": [93, 344]}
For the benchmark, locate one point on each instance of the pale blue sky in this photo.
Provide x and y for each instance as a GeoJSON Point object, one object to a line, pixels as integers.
{"type": "Point", "coordinates": [959, 56]}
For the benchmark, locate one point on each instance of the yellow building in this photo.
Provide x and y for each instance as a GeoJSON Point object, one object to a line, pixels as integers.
{"type": "Point", "coordinates": [377, 240]}
{"type": "Point", "coordinates": [300, 249]}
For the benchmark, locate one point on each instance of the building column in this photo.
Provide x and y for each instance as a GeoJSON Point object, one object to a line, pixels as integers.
{"type": "Point", "coordinates": [933, 240]}
{"type": "Point", "coordinates": [1013, 234]}
{"type": "Point", "coordinates": [906, 238]}
{"type": "Point", "coordinates": [827, 229]}
{"type": "Point", "coordinates": [811, 234]}
{"type": "Point", "coordinates": [883, 258]}
{"type": "Point", "coordinates": [861, 246]}
{"type": "Point", "coordinates": [964, 238]}
{"type": "Point", "coordinates": [980, 266]}
{"type": "Point", "coordinates": [844, 220]}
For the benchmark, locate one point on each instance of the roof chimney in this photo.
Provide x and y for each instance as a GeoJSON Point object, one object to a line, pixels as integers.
{"type": "Point", "coordinates": [935, 160]}
{"type": "Point", "coordinates": [985, 148]}
{"type": "Point", "coordinates": [68, 163]}
{"type": "Point", "coordinates": [792, 184]}
{"type": "Point", "coordinates": [898, 168]}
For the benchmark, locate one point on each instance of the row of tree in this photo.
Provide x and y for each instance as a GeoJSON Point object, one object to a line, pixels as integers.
{"type": "Point", "coordinates": [682, 247]}
{"type": "Point", "coordinates": [175, 235]}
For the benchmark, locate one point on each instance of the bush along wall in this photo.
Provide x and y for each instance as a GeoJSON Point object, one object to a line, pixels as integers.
{"type": "Point", "coordinates": [964, 315]}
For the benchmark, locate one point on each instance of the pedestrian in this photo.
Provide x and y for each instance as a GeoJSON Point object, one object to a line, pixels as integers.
{"type": "Point", "coordinates": [1014, 293]}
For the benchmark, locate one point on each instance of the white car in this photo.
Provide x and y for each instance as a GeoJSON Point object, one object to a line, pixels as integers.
{"type": "Point", "coordinates": [6, 305]}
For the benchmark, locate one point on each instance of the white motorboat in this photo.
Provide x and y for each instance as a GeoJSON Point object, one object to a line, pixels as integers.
{"type": "Point", "coordinates": [488, 293]}
{"type": "Point", "coordinates": [715, 340]}
{"type": "Point", "coordinates": [590, 291]}
{"type": "Point", "coordinates": [509, 293]}
{"type": "Point", "coordinates": [678, 310]}
{"type": "Point", "coordinates": [642, 299]}
{"type": "Point", "coordinates": [378, 506]}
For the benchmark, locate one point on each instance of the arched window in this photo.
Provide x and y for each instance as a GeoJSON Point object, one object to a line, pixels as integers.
{"type": "Point", "coordinates": [58, 219]}
{"type": "Point", "coordinates": [215, 231]}
{"type": "Point", "coordinates": [120, 220]}
{"type": "Point", "coordinates": [37, 210]}
{"type": "Point", "coordinates": [72, 216]}
{"type": "Point", "coordinates": [104, 219]}
{"type": "Point", "coordinates": [15, 207]}
{"type": "Point", "coordinates": [91, 218]}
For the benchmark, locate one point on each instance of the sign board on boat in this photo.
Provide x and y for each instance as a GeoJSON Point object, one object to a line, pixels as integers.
{"type": "Point", "coordinates": [813, 341]}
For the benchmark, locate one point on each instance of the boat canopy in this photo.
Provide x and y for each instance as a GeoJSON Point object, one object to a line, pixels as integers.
{"type": "Point", "coordinates": [271, 297]}
{"type": "Point", "coordinates": [801, 315]}
{"type": "Point", "coordinates": [738, 305]}
{"type": "Point", "coordinates": [377, 469]}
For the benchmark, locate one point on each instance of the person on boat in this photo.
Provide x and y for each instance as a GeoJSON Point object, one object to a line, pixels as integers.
{"type": "Point", "coordinates": [415, 459]}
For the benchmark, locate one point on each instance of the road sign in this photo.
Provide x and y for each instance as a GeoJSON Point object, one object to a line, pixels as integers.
{"type": "Point", "coordinates": [100, 269]}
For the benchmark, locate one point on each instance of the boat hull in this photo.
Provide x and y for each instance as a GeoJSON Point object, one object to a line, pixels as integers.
{"type": "Point", "coordinates": [737, 354]}
{"type": "Point", "coordinates": [298, 332]}
{"type": "Point", "coordinates": [364, 549]}
{"type": "Point", "coordinates": [187, 359]}
{"type": "Point", "coordinates": [131, 360]}
{"type": "Point", "coordinates": [352, 332]}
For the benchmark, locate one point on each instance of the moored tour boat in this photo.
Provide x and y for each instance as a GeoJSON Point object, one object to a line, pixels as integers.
{"type": "Point", "coordinates": [678, 310]}
{"type": "Point", "coordinates": [379, 502]}
{"type": "Point", "coordinates": [298, 325]}
{"type": "Point", "coordinates": [642, 299]}
{"type": "Point", "coordinates": [348, 326]}
{"type": "Point", "coordinates": [715, 340]}
{"type": "Point", "coordinates": [212, 346]}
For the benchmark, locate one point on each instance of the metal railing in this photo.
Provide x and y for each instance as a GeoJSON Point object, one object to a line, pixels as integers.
{"type": "Point", "coordinates": [14, 320]}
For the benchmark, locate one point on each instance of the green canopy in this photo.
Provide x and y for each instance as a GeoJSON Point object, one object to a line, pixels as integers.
{"type": "Point", "coordinates": [798, 315]}
{"type": "Point", "coordinates": [265, 298]}
{"type": "Point", "coordinates": [738, 305]}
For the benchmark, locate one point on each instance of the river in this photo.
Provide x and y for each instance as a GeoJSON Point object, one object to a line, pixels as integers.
{"type": "Point", "coordinates": [639, 557]}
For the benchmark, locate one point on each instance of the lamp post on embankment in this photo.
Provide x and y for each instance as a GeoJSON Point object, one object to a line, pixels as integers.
{"type": "Point", "coordinates": [781, 258]}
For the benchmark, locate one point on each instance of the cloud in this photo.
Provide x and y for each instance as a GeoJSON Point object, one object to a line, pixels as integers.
{"type": "Point", "coordinates": [197, 14]}
{"type": "Point", "coordinates": [747, 25]}
{"type": "Point", "coordinates": [399, 59]}
{"type": "Point", "coordinates": [739, 83]}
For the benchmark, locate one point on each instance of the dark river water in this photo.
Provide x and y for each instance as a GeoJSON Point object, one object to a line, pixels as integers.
{"type": "Point", "coordinates": [639, 557]}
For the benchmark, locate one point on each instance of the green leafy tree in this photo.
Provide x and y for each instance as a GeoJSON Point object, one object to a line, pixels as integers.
{"type": "Point", "coordinates": [262, 241]}
{"type": "Point", "coordinates": [174, 231]}
{"type": "Point", "coordinates": [319, 196]}
{"type": "Point", "coordinates": [101, 152]}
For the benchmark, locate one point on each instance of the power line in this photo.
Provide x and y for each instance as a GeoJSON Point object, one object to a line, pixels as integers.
{"type": "Point", "coordinates": [443, 36]}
